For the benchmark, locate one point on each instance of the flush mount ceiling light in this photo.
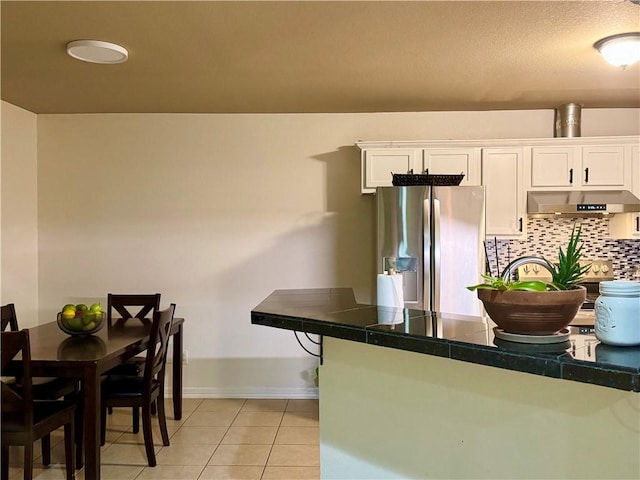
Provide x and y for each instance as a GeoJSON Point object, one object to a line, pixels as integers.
{"type": "Point", "coordinates": [620, 50]}
{"type": "Point", "coordinates": [97, 51]}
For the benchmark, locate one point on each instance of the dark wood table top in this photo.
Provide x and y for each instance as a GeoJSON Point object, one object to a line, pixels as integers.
{"type": "Point", "coordinates": [108, 346]}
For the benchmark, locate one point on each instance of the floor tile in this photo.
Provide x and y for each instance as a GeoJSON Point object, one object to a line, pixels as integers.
{"type": "Point", "coordinates": [250, 435]}
{"type": "Point", "coordinates": [258, 419]}
{"type": "Point", "coordinates": [53, 472]}
{"type": "Point", "coordinates": [302, 405]}
{"type": "Point", "coordinates": [221, 404]}
{"type": "Point", "coordinates": [294, 455]}
{"type": "Point", "coordinates": [210, 419]}
{"type": "Point", "coordinates": [125, 454]}
{"type": "Point", "coordinates": [188, 406]}
{"type": "Point", "coordinates": [240, 455]}
{"type": "Point", "coordinates": [298, 436]}
{"type": "Point", "coordinates": [171, 472]}
{"type": "Point", "coordinates": [291, 473]}
{"type": "Point", "coordinates": [114, 472]}
{"type": "Point", "coordinates": [264, 405]}
{"type": "Point", "coordinates": [186, 435]}
{"type": "Point", "coordinates": [231, 472]}
{"type": "Point", "coordinates": [300, 419]}
{"type": "Point", "coordinates": [185, 455]}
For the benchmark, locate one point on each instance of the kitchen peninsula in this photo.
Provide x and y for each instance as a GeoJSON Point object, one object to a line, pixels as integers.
{"type": "Point", "coordinates": [433, 405]}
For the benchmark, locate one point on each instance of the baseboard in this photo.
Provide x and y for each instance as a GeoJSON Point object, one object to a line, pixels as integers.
{"type": "Point", "coordinates": [210, 392]}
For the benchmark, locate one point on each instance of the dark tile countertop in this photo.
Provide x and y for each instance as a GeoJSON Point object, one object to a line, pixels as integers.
{"type": "Point", "coordinates": [334, 312]}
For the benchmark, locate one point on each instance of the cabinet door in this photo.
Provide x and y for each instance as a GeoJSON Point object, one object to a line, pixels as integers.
{"type": "Point", "coordinates": [603, 166]}
{"type": "Point", "coordinates": [445, 161]}
{"type": "Point", "coordinates": [501, 177]}
{"type": "Point", "coordinates": [380, 163]}
{"type": "Point", "coordinates": [628, 225]}
{"type": "Point", "coordinates": [552, 166]}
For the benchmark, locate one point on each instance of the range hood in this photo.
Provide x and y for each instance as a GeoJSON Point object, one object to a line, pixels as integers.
{"type": "Point", "coordinates": [581, 203]}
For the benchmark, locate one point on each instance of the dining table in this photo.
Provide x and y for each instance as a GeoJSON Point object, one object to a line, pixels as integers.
{"type": "Point", "coordinates": [86, 358]}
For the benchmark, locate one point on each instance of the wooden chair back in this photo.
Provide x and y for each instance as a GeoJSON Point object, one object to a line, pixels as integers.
{"type": "Point", "coordinates": [17, 404]}
{"type": "Point", "coordinates": [140, 306]}
{"type": "Point", "coordinates": [9, 317]}
{"type": "Point", "coordinates": [156, 359]}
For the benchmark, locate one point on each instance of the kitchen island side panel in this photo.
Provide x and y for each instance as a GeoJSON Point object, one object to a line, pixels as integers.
{"type": "Point", "coordinates": [392, 414]}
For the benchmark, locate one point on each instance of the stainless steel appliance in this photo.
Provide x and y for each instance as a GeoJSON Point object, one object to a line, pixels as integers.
{"type": "Point", "coordinates": [433, 236]}
{"type": "Point", "coordinates": [599, 271]}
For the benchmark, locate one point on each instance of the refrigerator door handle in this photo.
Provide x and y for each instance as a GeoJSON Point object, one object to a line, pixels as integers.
{"type": "Point", "coordinates": [434, 300]}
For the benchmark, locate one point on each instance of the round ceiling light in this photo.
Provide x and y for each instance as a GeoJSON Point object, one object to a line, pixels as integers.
{"type": "Point", "coordinates": [620, 50]}
{"type": "Point", "coordinates": [97, 51]}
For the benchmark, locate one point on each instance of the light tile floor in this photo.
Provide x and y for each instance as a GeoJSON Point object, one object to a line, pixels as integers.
{"type": "Point", "coordinates": [217, 439]}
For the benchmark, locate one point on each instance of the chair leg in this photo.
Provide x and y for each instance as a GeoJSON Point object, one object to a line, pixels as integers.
{"type": "Point", "coordinates": [28, 461]}
{"type": "Point", "coordinates": [154, 409]}
{"type": "Point", "coordinates": [148, 435]}
{"type": "Point", "coordinates": [136, 419]}
{"type": "Point", "coordinates": [4, 470]}
{"type": "Point", "coordinates": [69, 449]}
{"type": "Point", "coordinates": [162, 420]}
{"type": "Point", "coordinates": [46, 449]}
{"type": "Point", "coordinates": [79, 432]}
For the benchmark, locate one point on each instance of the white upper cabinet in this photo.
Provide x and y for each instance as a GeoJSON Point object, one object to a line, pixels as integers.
{"type": "Point", "coordinates": [446, 161]}
{"type": "Point", "coordinates": [580, 167]}
{"type": "Point", "coordinates": [552, 166]}
{"type": "Point", "coordinates": [627, 225]}
{"type": "Point", "coordinates": [505, 197]}
{"type": "Point", "coordinates": [378, 164]}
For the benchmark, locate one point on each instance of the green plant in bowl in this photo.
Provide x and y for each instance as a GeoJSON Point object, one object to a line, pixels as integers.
{"type": "Point", "coordinates": [537, 308]}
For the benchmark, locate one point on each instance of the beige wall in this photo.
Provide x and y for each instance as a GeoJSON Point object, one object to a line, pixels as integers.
{"type": "Point", "coordinates": [217, 211]}
{"type": "Point", "coordinates": [19, 213]}
{"type": "Point", "coordinates": [391, 414]}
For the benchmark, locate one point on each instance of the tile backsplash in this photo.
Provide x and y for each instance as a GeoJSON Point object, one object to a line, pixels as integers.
{"type": "Point", "coordinates": [546, 235]}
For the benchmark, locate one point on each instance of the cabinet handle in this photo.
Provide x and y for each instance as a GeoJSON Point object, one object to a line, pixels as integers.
{"type": "Point", "coordinates": [586, 175]}
{"type": "Point", "coordinates": [520, 221]}
{"type": "Point", "coordinates": [638, 223]}
{"type": "Point", "coordinates": [571, 175]}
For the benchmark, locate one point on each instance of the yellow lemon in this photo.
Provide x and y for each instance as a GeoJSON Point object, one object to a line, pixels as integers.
{"type": "Point", "coordinates": [67, 314]}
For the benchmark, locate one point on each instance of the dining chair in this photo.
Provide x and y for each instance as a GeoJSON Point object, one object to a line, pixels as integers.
{"type": "Point", "coordinates": [44, 388]}
{"type": "Point", "coordinates": [24, 419]}
{"type": "Point", "coordinates": [131, 306]}
{"type": "Point", "coordinates": [127, 307]}
{"type": "Point", "coordinates": [143, 391]}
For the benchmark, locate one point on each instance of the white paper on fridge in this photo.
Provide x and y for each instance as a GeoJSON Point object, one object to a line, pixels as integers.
{"type": "Point", "coordinates": [390, 294]}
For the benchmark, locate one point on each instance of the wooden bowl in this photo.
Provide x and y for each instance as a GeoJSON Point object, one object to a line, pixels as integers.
{"type": "Point", "coordinates": [532, 313]}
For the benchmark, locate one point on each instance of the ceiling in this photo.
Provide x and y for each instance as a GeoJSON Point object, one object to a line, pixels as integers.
{"type": "Point", "coordinates": [316, 56]}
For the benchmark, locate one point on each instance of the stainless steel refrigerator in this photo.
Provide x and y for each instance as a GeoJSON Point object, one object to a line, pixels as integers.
{"type": "Point", "coordinates": [433, 236]}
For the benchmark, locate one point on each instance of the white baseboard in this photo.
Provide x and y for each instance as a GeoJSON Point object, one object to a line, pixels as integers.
{"type": "Point", "coordinates": [212, 392]}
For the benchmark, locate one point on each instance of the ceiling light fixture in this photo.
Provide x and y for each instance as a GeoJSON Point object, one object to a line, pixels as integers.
{"type": "Point", "coordinates": [620, 50]}
{"type": "Point", "coordinates": [97, 51]}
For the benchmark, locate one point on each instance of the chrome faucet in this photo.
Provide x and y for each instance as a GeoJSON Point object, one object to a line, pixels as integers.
{"type": "Point", "coordinates": [506, 273]}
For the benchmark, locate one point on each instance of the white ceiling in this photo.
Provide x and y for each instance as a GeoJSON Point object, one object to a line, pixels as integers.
{"type": "Point", "coordinates": [316, 56]}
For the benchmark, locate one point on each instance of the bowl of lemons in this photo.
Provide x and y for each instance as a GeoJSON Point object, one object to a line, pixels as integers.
{"type": "Point", "coordinates": [80, 319]}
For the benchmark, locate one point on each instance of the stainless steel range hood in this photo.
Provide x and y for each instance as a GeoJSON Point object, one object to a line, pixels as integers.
{"type": "Point", "coordinates": [581, 203]}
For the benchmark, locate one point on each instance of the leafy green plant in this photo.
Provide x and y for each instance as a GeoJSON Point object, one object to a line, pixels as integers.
{"type": "Point", "coordinates": [501, 284]}
{"type": "Point", "coordinates": [565, 275]}
{"type": "Point", "coordinates": [568, 272]}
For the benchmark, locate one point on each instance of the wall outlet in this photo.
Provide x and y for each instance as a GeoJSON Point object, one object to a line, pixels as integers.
{"type": "Point", "coordinates": [185, 357]}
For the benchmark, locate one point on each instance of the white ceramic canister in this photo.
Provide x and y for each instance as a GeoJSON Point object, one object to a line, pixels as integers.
{"type": "Point", "coordinates": [617, 312]}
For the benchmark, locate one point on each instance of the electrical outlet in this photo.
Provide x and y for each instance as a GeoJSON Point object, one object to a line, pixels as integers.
{"type": "Point", "coordinates": [185, 357]}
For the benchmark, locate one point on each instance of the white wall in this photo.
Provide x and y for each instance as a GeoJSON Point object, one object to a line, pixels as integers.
{"type": "Point", "coordinates": [19, 213]}
{"type": "Point", "coordinates": [217, 211]}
